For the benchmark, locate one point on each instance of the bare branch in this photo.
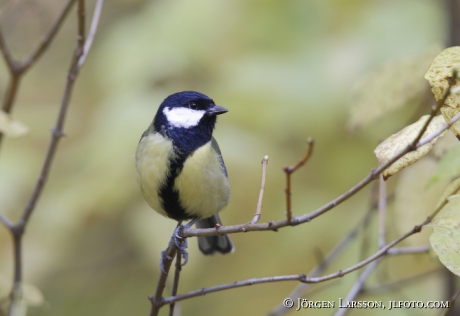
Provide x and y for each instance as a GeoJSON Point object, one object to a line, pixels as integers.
{"type": "Point", "coordinates": [57, 132]}
{"type": "Point", "coordinates": [382, 211]}
{"type": "Point", "coordinates": [176, 281]}
{"type": "Point", "coordinates": [47, 39]}
{"type": "Point", "coordinates": [17, 69]}
{"type": "Point", "coordinates": [451, 302]}
{"type": "Point", "coordinates": [302, 277]}
{"type": "Point", "coordinates": [296, 277]}
{"type": "Point", "coordinates": [330, 257]}
{"type": "Point", "coordinates": [92, 31]}
{"type": "Point", "coordinates": [157, 298]}
{"type": "Point", "coordinates": [289, 171]}
{"type": "Point", "coordinates": [357, 287]}
{"type": "Point", "coordinates": [409, 250]}
{"type": "Point", "coordinates": [10, 62]}
{"type": "Point", "coordinates": [5, 221]}
{"type": "Point", "coordinates": [261, 193]}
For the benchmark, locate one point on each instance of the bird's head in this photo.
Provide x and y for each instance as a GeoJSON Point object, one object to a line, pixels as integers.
{"type": "Point", "coordinates": [188, 118]}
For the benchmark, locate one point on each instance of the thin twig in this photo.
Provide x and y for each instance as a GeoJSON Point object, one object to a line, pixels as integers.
{"type": "Point", "coordinates": [18, 229]}
{"type": "Point", "coordinates": [176, 281]}
{"type": "Point", "coordinates": [409, 250]}
{"type": "Point", "coordinates": [271, 225]}
{"type": "Point", "coordinates": [92, 31]}
{"type": "Point", "coordinates": [7, 54]}
{"type": "Point", "coordinates": [435, 109]}
{"type": "Point", "coordinates": [451, 302]}
{"type": "Point", "coordinates": [382, 211]}
{"type": "Point", "coordinates": [5, 221]}
{"type": "Point", "coordinates": [57, 132]}
{"type": "Point", "coordinates": [328, 259]}
{"type": "Point", "coordinates": [157, 298]}
{"type": "Point", "coordinates": [17, 68]}
{"type": "Point", "coordinates": [357, 287]}
{"type": "Point", "coordinates": [261, 192]}
{"type": "Point", "coordinates": [289, 171]}
{"type": "Point", "coordinates": [47, 39]}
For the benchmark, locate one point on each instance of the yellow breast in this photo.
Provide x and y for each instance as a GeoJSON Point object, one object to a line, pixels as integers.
{"type": "Point", "coordinates": [152, 163]}
{"type": "Point", "coordinates": [202, 185]}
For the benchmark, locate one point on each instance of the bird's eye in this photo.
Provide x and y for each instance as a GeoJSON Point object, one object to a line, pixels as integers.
{"type": "Point", "coordinates": [193, 105]}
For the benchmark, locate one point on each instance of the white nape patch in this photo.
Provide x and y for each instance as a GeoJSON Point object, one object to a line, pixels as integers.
{"type": "Point", "coordinates": [183, 117]}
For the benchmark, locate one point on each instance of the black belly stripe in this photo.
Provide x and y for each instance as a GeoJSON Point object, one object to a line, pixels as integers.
{"type": "Point", "coordinates": [169, 196]}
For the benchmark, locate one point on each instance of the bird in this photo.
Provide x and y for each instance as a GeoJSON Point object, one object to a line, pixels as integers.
{"type": "Point", "coordinates": [180, 168]}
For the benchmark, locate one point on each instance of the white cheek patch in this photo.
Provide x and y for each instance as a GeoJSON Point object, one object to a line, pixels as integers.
{"type": "Point", "coordinates": [183, 117]}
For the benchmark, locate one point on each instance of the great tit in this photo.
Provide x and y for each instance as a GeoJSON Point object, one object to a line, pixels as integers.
{"type": "Point", "coordinates": [180, 168]}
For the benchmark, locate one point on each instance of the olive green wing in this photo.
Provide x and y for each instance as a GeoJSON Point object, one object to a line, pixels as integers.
{"type": "Point", "coordinates": [216, 148]}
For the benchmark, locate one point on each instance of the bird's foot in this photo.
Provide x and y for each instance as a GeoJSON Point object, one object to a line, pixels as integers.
{"type": "Point", "coordinates": [180, 243]}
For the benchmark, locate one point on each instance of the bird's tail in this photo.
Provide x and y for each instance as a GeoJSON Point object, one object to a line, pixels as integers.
{"type": "Point", "coordinates": [210, 244]}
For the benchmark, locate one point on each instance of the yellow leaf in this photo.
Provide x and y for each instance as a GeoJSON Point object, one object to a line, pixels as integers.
{"type": "Point", "coordinates": [438, 74]}
{"type": "Point", "coordinates": [445, 238]}
{"type": "Point", "coordinates": [451, 189]}
{"type": "Point", "coordinates": [396, 143]}
{"type": "Point", "coordinates": [448, 113]}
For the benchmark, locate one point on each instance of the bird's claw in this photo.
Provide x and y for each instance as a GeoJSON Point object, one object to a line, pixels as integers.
{"type": "Point", "coordinates": [180, 243]}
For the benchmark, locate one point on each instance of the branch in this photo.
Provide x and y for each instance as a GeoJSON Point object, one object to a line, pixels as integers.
{"type": "Point", "coordinates": [178, 269]}
{"type": "Point", "coordinates": [302, 277]}
{"type": "Point", "coordinates": [271, 225]}
{"type": "Point", "coordinates": [17, 230]}
{"type": "Point", "coordinates": [434, 110]}
{"type": "Point", "coordinates": [92, 31]}
{"type": "Point", "coordinates": [46, 40]}
{"type": "Point", "coordinates": [5, 221]}
{"type": "Point", "coordinates": [451, 302]}
{"type": "Point", "coordinates": [57, 132]}
{"type": "Point", "coordinates": [289, 171]}
{"type": "Point", "coordinates": [296, 277]}
{"type": "Point", "coordinates": [382, 211]}
{"type": "Point", "coordinates": [261, 193]}
{"type": "Point", "coordinates": [409, 250]}
{"type": "Point", "coordinates": [10, 62]}
{"type": "Point", "coordinates": [357, 287]}
{"type": "Point", "coordinates": [330, 257]}
{"type": "Point", "coordinates": [17, 69]}
{"type": "Point", "coordinates": [157, 299]}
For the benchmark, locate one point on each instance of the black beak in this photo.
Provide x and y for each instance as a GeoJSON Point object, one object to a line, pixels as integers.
{"type": "Point", "coordinates": [216, 110]}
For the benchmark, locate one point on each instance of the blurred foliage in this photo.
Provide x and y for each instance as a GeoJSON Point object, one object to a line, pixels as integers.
{"type": "Point", "coordinates": [285, 71]}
